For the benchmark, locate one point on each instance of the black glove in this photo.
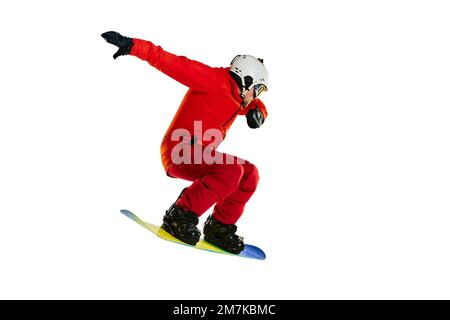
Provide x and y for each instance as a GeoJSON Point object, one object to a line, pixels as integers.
{"type": "Point", "coordinates": [124, 43]}
{"type": "Point", "coordinates": [255, 118]}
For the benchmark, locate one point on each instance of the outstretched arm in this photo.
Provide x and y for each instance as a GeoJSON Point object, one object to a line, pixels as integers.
{"type": "Point", "coordinates": [192, 74]}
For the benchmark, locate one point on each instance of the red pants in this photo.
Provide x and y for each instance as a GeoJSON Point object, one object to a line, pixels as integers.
{"type": "Point", "coordinates": [228, 186]}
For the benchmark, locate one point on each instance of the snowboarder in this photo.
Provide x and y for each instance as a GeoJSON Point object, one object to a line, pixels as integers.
{"type": "Point", "coordinates": [216, 96]}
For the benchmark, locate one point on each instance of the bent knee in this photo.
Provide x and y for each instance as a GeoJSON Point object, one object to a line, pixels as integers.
{"type": "Point", "coordinates": [234, 174]}
{"type": "Point", "coordinates": [251, 178]}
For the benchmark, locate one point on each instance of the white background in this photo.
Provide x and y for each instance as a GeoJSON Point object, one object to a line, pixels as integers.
{"type": "Point", "coordinates": [354, 158]}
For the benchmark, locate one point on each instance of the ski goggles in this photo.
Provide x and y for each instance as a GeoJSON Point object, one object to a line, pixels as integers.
{"type": "Point", "coordinates": [258, 89]}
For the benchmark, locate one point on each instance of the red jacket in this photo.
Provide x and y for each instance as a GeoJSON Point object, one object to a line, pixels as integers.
{"type": "Point", "coordinates": [213, 95]}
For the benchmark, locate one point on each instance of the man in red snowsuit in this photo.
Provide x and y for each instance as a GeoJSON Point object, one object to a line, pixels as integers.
{"type": "Point", "coordinates": [216, 96]}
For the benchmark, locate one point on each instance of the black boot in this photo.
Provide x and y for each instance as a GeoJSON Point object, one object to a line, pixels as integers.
{"type": "Point", "coordinates": [223, 235]}
{"type": "Point", "coordinates": [181, 224]}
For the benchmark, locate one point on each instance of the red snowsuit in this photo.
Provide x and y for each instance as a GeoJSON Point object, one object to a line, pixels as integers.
{"type": "Point", "coordinates": [213, 98]}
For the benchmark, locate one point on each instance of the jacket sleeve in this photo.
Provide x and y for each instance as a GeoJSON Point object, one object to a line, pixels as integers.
{"type": "Point", "coordinates": [192, 74]}
{"type": "Point", "coordinates": [256, 103]}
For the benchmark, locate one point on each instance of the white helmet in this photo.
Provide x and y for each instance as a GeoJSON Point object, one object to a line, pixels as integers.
{"type": "Point", "coordinates": [250, 72]}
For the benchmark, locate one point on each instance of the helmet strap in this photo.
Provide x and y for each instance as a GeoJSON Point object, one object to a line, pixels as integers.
{"type": "Point", "coordinates": [241, 83]}
{"type": "Point", "coordinates": [243, 93]}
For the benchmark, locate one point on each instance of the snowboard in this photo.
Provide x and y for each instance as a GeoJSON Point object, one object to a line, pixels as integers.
{"type": "Point", "coordinates": [250, 251]}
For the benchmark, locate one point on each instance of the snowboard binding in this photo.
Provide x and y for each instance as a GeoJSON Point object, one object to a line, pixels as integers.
{"type": "Point", "coordinates": [181, 224]}
{"type": "Point", "coordinates": [223, 235]}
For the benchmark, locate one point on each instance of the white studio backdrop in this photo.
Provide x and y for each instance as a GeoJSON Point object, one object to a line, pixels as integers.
{"type": "Point", "coordinates": [353, 201]}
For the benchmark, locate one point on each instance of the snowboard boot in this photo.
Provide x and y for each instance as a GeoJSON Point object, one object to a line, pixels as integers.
{"type": "Point", "coordinates": [181, 224]}
{"type": "Point", "coordinates": [223, 235]}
